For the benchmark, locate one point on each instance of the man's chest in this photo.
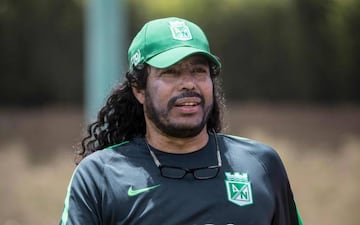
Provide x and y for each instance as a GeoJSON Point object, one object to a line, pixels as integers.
{"type": "Point", "coordinates": [142, 196]}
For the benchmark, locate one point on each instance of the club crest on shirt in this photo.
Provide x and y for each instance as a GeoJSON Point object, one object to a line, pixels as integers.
{"type": "Point", "coordinates": [180, 31]}
{"type": "Point", "coordinates": [238, 188]}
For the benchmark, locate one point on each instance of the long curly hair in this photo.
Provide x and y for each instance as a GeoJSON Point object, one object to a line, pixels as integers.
{"type": "Point", "coordinates": [122, 116]}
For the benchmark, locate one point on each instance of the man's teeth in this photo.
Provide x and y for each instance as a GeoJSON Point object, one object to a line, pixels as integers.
{"type": "Point", "coordinates": [188, 104]}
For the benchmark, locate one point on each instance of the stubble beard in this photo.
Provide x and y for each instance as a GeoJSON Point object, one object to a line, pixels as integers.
{"type": "Point", "coordinates": [160, 117]}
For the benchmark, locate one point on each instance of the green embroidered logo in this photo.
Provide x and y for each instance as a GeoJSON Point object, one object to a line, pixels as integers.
{"type": "Point", "coordinates": [180, 31]}
{"type": "Point", "coordinates": [132, 192]}
{"type": "Point", "coordinates": [238, 188]}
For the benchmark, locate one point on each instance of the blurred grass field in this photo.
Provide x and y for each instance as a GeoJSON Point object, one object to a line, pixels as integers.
{"type": "Point", "coordinates": [320, 147]}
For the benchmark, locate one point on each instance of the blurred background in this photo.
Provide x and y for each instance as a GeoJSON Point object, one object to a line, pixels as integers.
{"type": "Point", "coordinates": [290, 76]}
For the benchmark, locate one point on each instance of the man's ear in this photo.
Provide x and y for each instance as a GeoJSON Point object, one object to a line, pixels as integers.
{"type": "Point", "coordinates": [139, 94]}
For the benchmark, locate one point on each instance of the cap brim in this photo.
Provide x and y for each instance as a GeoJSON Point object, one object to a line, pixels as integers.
{"type": "Point", "coordinates": [174, 55]}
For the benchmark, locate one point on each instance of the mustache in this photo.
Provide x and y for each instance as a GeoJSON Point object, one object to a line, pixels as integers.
{"type": "Point", "coordinates": [187, 94]}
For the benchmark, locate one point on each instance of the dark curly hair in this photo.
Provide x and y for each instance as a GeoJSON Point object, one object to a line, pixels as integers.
{"type": "Point", "coordinates": [122, 117]}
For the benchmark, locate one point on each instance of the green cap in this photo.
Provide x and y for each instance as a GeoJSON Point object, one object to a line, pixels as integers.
{"type": "Point", "coordinates": [164, 42]}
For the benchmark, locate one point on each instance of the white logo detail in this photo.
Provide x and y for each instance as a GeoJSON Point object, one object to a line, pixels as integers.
{"type": "Point", "coordinates": [180, 31]}
{"type": "Point", "coordinates": [135, 59]}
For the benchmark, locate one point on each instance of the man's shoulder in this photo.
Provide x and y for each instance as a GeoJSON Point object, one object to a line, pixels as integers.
{"type": "Point", "coordinates": [98, 164]}
{"type": "Point", "coordinates": [241, 145]}
{"type": "Point", "coordinates": [245, 143]}
{"type": "Point", "coordinates": [108, 154]}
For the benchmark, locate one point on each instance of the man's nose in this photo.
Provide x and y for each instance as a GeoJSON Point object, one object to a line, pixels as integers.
{"type": "Point", "coordinates": [187, 80]}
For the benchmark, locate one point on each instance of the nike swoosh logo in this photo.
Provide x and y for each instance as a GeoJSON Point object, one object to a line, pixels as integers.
{"type": "Point", "coordinates": [132, 192]}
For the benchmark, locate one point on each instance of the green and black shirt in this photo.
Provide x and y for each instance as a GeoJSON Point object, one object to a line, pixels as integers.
{"type": "Point", "coordinates": [122, 185]}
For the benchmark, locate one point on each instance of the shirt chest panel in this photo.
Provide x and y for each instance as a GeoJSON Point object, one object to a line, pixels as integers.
{"type": "Point", "coordinates": [187, 201]}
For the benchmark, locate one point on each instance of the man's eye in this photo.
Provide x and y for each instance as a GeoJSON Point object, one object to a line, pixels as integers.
{"type": "Point", "coordinates": [199, 70]}
{"type": "Point", "coordinates": [169, 71]}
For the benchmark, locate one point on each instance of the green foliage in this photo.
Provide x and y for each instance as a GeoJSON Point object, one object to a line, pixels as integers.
{"type": "Point", "coordinates": [279, 50]}
{"type": "Point", "coordinates": [272, 50]}
{"type": "Point", "coordinates": [41, 47]}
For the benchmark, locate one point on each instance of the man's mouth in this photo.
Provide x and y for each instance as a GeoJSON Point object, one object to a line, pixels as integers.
{"type": "Point", "coordinates": [188, 101]}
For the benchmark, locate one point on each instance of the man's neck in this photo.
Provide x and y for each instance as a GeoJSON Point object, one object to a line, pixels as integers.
{"type": "Point", "coordinates": [176, 145]}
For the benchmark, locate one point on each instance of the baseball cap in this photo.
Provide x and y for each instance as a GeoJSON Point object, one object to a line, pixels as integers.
{"type": "Point", "coordinates": [164, 42]}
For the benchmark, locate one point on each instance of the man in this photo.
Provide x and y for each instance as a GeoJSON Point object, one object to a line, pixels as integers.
{"type": "Point", "coordinates": [163, 159]}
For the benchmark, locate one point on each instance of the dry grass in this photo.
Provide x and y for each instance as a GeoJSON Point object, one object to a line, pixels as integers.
{"type": "Point", "coordinates": [31, 194]}
{"type": "Point", "coordinates": [319, 146]}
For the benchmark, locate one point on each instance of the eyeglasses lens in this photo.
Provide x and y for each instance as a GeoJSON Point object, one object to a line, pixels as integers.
{"type": "Point", "coordinates": [206, 173]}
{"type": "Point", "coordinates": [175, 173]}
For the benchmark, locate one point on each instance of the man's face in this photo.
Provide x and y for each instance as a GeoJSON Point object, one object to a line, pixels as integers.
{"type": "Point", "coordinates": [178, 99]}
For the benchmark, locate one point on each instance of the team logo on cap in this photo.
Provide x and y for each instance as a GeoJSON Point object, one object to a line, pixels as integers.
{"type": "Point", "coordinates": [135, 59]}
{"type": "Point", "coordinates": [238, 188]}
{"type": "Point", "coordinates": [180, 31]}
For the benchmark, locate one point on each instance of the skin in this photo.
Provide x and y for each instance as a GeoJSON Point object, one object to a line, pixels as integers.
{"type": "Point", "coordinates": [177, 102]}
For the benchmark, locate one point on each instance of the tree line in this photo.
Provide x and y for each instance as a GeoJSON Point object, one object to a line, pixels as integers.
{"type": "Point", "coordinates": [280, 50]}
